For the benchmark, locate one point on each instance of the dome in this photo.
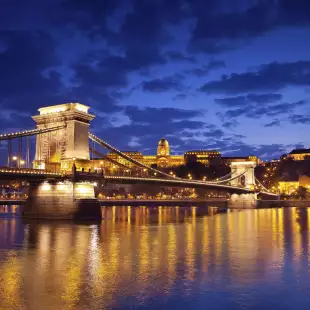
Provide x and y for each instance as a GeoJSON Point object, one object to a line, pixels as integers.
{"type": "Point", "coordinates": [163, 142]}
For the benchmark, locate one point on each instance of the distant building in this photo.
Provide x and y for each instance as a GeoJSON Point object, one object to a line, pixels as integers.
{"type": "Point", "coordinates": [134, 155]}
{"type": "Point", "coordinates": [201, 156]}
{"type": "Point", "coordinates": [299, 154]}
{"type": "Point", "coordinates": [289, 184]}
{"type": "Point", "coordinates": [228, 160]}
{"type": "Point", "coordinates": [304, 181]}
{"type": "Point", "coordinates": [271, 164]}
{"type": "Point", "coordinates": [164, 159]}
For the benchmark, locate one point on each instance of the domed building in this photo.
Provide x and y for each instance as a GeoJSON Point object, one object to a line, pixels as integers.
{"type": "Point", "coordinates": [163, 157]}
{"type": "Point", "coordinates": [163, 148]}
{"type": "Point", "coordinates": [163, 153]}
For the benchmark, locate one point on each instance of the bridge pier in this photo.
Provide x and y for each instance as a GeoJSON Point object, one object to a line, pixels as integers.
{"type": "Point", "coordinates": [243, 201]}
{"type": "Point", "coordinates": [68, 200]}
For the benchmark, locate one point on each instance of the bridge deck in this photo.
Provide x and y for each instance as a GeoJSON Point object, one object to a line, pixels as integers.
{"type": "Point", "coordinates": [30, 174]}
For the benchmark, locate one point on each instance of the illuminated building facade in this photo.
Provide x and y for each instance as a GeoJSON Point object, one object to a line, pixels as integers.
{"type": "Point", "coordinates": [299, 154]}
{"type": "Point", "coordinates": [134, 155]}
{"type": "Point", "coordinates": [202, 156]}
{"type": "Point", "coordinates": [164, 159]}
{"type": "Point", "coordinates": [228, 160]}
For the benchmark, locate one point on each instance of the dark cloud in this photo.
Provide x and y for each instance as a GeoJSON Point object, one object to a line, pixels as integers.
{"type": "Point", "coordinates": [256, 111]}
{"type": "Point", "coordinates": [168, 83]}
{"type": "Point", "coordinates": [27, 75]}
{"type": "Point", "coordinates": [242, 101]}
{"type": "Point", "coordinates": [148, 125]}
{"type": "Point", "coordinates": [230, 124]}
{"type": "Point", "coordinates": [229, 24]}
{"type": "Point", "coordinates": [89, 16]}
{"type": "Point", "coordinates": [300, 119]}
{"type": "Point", "coordinates": [179, 97]}
{"type": "Point", "coordinates": [178, 56]}
{"type": "Point", "coordinates": [158, 115]}
{"type": "Point", "coordinates": [206, 69]}
{"type": "Point", "coordinates": [273, 123]}
{"type": "Point", "coordinates": [271, 77]}
{"type": "Point", "coordinates": [262, 151]}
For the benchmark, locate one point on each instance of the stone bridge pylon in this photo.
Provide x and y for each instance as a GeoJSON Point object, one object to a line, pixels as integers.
{"type": "Point", "coordinates": [245, 170]}
{"type": "Point", "coordinates": [57, 150]}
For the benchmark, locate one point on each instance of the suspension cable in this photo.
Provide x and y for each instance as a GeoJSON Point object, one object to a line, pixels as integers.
{"type": "Point", "coordinates": [263, 187]}
{"type": "Point", "coordinates": [32, 132]}
{"type": "Point", "coordinates": [228, 180]}
{"type": "Point", "coordinates": [134, 161]}
{"type": "Point", "coordinates": [112, 161]}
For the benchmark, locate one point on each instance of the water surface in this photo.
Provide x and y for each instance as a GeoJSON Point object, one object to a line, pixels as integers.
{"type": "Point", "coordinates": [158, 258]}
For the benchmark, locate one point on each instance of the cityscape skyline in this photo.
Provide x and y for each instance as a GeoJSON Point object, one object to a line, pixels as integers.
{"type": "Point", "coordinates": [203, 79]}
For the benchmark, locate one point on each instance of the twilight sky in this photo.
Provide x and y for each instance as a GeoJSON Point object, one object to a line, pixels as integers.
{"type": "Point", "coordinates": [232, 75]}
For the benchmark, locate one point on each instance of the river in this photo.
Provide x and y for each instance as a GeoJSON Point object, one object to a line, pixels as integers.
{"type": "Point", "coordinates": [157, 258]}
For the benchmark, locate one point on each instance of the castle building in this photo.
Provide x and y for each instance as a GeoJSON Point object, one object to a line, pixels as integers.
{"type": "Point", "coordinates": [299, 154]}
{"type": "Point", "coordinates": [201, 156]}
{"type": "Point", "coordinates": [164, 159]}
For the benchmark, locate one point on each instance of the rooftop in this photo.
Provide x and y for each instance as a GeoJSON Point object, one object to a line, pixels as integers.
{"type": "Point", "coordinates": [63, 108]}
{"type": "Point", "coordinates": [300, 151]}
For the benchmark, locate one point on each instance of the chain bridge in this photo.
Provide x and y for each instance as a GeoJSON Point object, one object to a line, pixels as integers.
{"type": "Point", "coordinates": [65, 170]}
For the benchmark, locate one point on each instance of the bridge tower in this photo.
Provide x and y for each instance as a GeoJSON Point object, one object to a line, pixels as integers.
{"type": "Point", "coordinates": [247, 180]}
{"type": "Point", "coordinates": [57, 150]}
{"type": "Point", "coordinates": [246, 169]}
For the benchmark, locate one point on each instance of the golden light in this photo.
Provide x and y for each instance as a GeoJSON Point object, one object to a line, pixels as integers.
{"type": "Point", "coordinates": [22, 162]}
{"type": "Point", "coordinates": [46, 187]}
{"type": "Point", "coordinates": [101, 163]}
{"type": "Point", "coordinates": [14, 157]}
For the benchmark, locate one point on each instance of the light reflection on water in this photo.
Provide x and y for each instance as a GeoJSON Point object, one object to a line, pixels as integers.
{"type": "Point", "coordinates": [165, 257]}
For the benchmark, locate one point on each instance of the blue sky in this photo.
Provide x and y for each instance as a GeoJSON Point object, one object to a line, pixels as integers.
{"type": "Point", "coordinates": [230, 75]}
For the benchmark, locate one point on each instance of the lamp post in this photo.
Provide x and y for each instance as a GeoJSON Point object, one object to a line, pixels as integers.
{"type": "Point", "coordinates": [15, 160]}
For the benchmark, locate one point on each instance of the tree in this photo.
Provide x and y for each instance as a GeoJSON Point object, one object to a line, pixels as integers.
{"type": "Point", "coordinates": [302, 192]}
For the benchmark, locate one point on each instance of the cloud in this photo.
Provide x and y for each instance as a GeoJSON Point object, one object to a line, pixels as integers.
{"type": "Point", "coordinates": [230, 124]}
{"type": "Point", "coordinates": [241, 101]}
{"type": "Point", "coordinates": [159, 115]}
{"type": "Point", "coordinates": [273, 123]}
{"type": "Point", "coordinates": [178, 56]}
{"type": "Point", "coordinates": [168, 83]}
{"type": "Point", "coordinates": [300, 119]}
{"type": "Point", "coordinates": [89, 16]}
{"type": "Point", "coordinates": [256, 111]}
{"type": "Point", "coordinates": [230, 24]}
{"type": "Point", "coordinates": [179, 97]}
{"type": "Point", "coordinates": [270, 77]}
{"type": "Point", "coordinates": [27, 75]}
{"type": "Point", "coordinates": [206, 69]}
